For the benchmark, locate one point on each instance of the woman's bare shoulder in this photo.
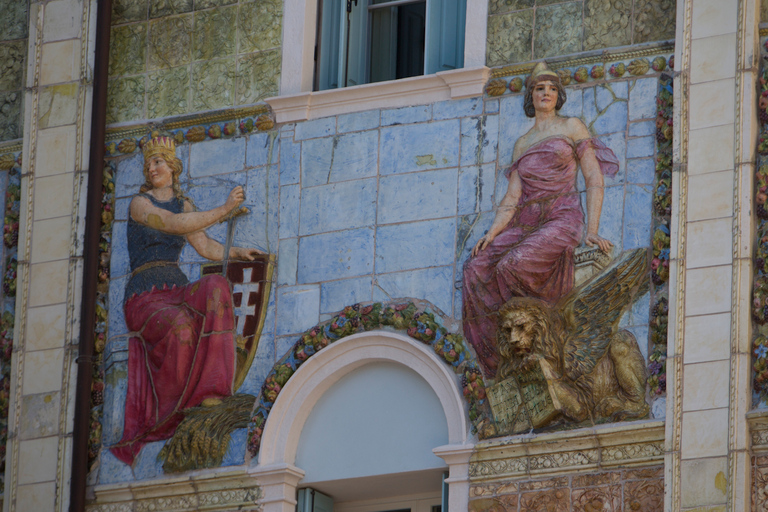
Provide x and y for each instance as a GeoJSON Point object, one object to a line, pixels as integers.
{"type": "Point", "coordinates": [576, 129]}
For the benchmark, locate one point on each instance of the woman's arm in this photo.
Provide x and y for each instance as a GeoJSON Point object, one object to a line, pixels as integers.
{"type": "Point", "coordinates": [593, 178]}
{"type": "Point", "coordinates": [189, 221]}
{"type": "Point", "coordinates": [504, 213]}
{"type": "Point", "coordinates": [209, 248]}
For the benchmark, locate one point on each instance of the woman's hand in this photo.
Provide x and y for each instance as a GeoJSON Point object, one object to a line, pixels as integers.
{"type": "Point", "coordinates": [604, 244]}
{"type": "Point", "coordinates": [235, 199]}
{"type": "Point", "coordinates": [481, 244]}
{"type": "Point", "coordinates": [244, 253]}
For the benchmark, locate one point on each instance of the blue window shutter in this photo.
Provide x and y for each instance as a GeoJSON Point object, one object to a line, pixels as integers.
{"type": "Point", "coordinates": [445, 35]}
{"type": "Point", "coordinates": [330, 54]}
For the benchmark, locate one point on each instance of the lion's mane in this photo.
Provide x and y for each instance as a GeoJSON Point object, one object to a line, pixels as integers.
{"type": "Point", "coordinates": [545, 331]}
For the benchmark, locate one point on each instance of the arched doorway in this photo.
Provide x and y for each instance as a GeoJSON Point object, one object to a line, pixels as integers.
{"type": "Point", "coordinates": [277, 471]}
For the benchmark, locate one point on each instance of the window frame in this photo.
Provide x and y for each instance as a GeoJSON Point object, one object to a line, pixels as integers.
{"type": "Point", "coordinates": [297, 102]}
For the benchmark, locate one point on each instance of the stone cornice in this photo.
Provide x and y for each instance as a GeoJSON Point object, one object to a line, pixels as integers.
{"type": "Point", "coordinates": [445, 85]}
{"type": "Point", "coordinates": [211, 490]}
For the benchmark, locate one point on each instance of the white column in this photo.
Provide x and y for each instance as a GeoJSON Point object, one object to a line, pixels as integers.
{"type": "Point", "coordinates": [57, 117]}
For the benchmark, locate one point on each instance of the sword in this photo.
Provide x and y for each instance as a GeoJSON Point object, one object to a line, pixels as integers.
{"type": "Point", "coordinates": [231, 220]}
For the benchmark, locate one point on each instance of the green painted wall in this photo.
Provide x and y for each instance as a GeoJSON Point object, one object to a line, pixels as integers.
{"type": "Point", "coordinates": [524, 30]}
{"type": "Point", "coordinates": [13, 53]}
{"type": "Point", "coordinates": [174, 57]}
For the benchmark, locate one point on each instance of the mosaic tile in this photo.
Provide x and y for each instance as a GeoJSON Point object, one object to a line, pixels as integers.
{"type": "Point", "coordinates": [401, 246]}
{"type": "Point", "coordinates": [607, 499]}
{"type": "Point", "coordinates": [432, 284]}
{"type": "Point", "coordinates": [13, 19]}
{"type": "Point", "coordinates": [10, 115]}
{"type": "Point", "coordinates": [555, 500]}
{"type": "Point", "coordinates": [500, 6]}
{"type": "Point", "coordinates": [168, 92]}
{"type": "Point", "coordinates": [339, 206]}
{"type": "Point", "coordinates": [258, 76]}
{"type": "Point", "coordinates": [417, 196]}
{"type": "Point", "coordinates": [500, 504]}
{"type": "Point", "coordinates": [509, 38]}
{"type": "Point", "coordinates": [654, 20]}
{"type": "Point", "coordinates": [644, 495]}
{"type": "Point", "coordinates": [125, 11]}
{"type": "Point", "coordinates": [419, 147]}
{"type": "Point", "coordinates": [260, 25]}
{"type": "Point", "coordinates": [334, 255]}
{"type": "Point", "coordinates": [406, 115]}
{"type": "Point", "coordinates": [557, 30]}
{"type": "Point", "coordinates": [337, 294]}
{"type": "Point", "coordinates": [607, 23]}
{"type": "Point", "coordinates": [12, 56]}
{"type": "Point", "coordinates": [128, 49]}
{"type": "Point", "coordinates": [170, 41]}
{"type": "Point", "coordinates": [160, 8]}
{"type": "Point", "coordinates": [214, 33]}
{"type": "Point", "coordinates": [125, 99]}
{"type": "Point", "coordinates": [207, 4]}
{"type": "Point", "coordinates": [214, 84]}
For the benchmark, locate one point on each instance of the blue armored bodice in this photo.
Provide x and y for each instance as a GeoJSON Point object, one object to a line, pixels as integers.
{"type": "Point", "coordinates": [149, 249]}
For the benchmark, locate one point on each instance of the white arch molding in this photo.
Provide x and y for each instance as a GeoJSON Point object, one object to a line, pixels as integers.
{"type": "Point", "coordinates": [276, 473]}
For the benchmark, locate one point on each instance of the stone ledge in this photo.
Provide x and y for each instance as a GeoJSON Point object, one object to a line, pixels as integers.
{"type": "Point", "coordinates": [639, 443]}
{"type": "Point", "coordinates": [445, 85]}
{"type": "Point", "coordinates": [210, 490]}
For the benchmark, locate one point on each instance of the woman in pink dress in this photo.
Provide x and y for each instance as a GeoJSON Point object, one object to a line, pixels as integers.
{"type": "Point", "coordinates": [528, 250]}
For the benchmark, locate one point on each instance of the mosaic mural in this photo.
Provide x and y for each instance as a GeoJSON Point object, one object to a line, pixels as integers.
{"type": "Point", "coordinates": [172, 58]}
{"type": "Point", "coordinates": [372, 217]}
{"type": "Point", "coordinates": [522, 30]}
{"type": "Point", "coordinates": [13, 53]}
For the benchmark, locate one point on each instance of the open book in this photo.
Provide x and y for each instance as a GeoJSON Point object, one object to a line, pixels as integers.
{"type": "Point", "coordinates": [522, 402]}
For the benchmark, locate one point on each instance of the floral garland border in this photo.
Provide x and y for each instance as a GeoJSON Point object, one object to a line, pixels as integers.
{"type": "Point", "coordinates": [102, 307]}
{"type": "Point", "coordinates": [10, 162]}
{"type": "Point", "coordinates": [418, 322]}
{"type": "Point", "coordinates": [760, 281]}
{"type": "Point", "coordinates": [662, 211]}
{"type": "Point", "coordinates": [575, 75]}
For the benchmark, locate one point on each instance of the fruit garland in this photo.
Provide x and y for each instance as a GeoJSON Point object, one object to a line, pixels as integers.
{"type": "Point", "coordinates": [583, 74]}
{"type": "Point", "coordinates": [418, 323]}
{"type": "Point", "coordinates": [760, 283]}
{"type": "Point", "coordinates": [10, 240]}
{"type": "Point", "coordinates": [662, 210]}
{"type": "Point", "coordinates": [102, 305]}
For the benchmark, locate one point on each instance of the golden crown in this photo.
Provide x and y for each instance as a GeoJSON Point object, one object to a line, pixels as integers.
{"type": "Point", "coordinates": [160, 145]}
{"type": "Point", "coordinates": [541, 69]}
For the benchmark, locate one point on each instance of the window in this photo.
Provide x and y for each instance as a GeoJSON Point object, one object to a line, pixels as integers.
{"type": "Point", "coordinates": [366, 41]}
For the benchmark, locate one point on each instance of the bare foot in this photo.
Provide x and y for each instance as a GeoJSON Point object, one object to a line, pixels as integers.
{"type": "Point", "coordinates": [211, 402]}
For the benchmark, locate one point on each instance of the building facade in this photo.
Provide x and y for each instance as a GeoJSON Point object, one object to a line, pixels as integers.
{"type": "Point", "coordinates": [368, 144]}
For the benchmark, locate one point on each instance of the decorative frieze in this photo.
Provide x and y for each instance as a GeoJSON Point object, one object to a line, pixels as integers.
{"type": "Point", "coordinates": [527, 456]}
{"type": "Point", "coordinates": [211, 491]}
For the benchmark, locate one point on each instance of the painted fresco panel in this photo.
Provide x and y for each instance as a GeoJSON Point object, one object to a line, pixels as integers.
{"type": "Point", "coordinates": [381, 206]}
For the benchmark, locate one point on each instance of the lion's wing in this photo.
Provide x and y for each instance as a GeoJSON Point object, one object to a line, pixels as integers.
{"type": "Point", "coordinates": [593, 311]}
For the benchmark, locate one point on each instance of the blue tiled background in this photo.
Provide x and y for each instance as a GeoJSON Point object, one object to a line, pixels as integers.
{"type": "Point", "coordinates": [378, 205]}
